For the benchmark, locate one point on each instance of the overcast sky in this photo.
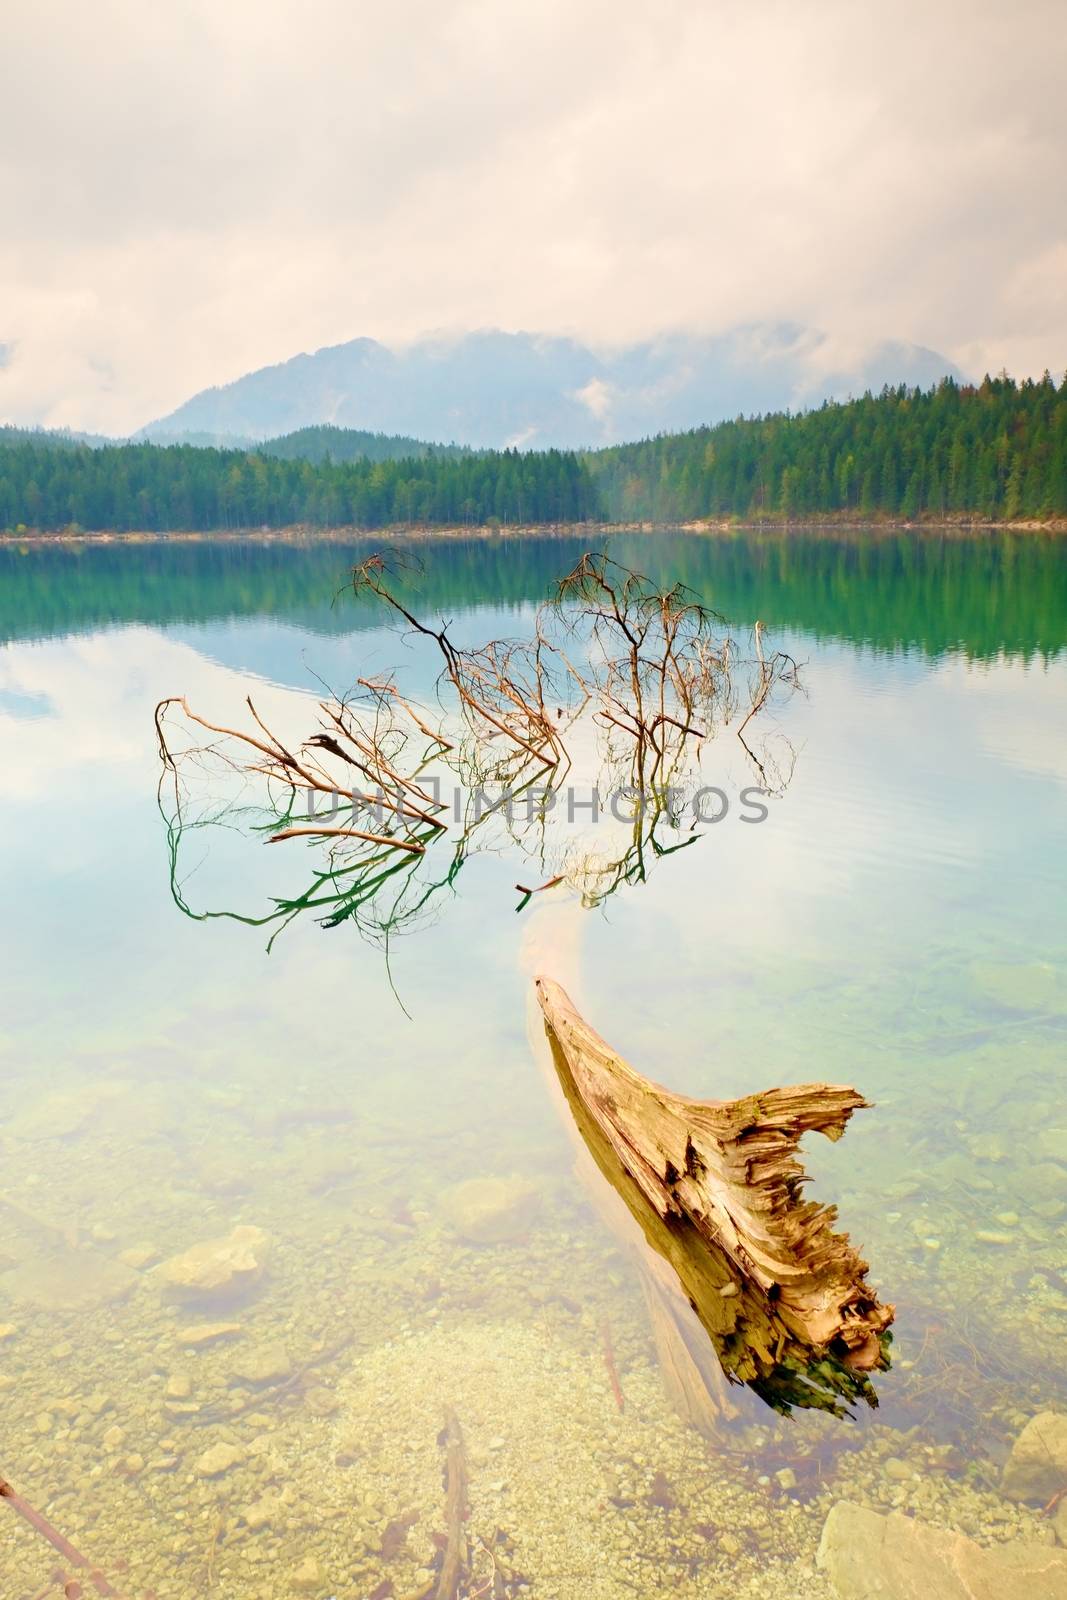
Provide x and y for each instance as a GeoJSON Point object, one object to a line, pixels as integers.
{"type": "Point", "coordinates": [196, 189]}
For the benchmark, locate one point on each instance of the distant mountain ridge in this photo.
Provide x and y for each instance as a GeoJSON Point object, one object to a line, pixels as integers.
{"type": "Point", "coordinates": [317, 444]}
{"type": "Point", "coordinates": [49, 438]}
{"type": "Point", "coordinates": [492, 389]}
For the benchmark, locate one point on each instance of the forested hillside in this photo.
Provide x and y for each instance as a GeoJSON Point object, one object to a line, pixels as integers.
{"type": "Point", "coordinates": [167, 488]}
{"type": "Point", "coordinates": [327, 443]}
{"type": "Point", "coordinates": [48, 438]}
{"type": "Point", "coordinates": [997, 451]}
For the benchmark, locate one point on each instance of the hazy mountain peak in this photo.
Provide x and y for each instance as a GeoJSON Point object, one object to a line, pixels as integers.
{"type": "Point", "coordinates": [493, 388]}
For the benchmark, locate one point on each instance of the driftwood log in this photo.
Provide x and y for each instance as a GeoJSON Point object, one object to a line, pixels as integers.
{"type": "Point", "coordinates": [718, 1191]}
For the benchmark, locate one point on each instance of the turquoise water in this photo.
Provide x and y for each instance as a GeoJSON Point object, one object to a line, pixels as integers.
{"type": "Point", "coordinates": [896, 923]}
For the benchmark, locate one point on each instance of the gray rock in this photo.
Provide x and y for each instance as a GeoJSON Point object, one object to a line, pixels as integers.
{"type": "Point", "coordinates": [870, 1557]}
{"type": "Point", "coordinates": [1037, 1466]}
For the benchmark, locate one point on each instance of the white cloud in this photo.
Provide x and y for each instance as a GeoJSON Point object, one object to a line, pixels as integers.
{"type": "Point", "coordinates": [192, 192]}
{"type": "Point", "coordinates": [519, 440]}
{"type": "Point", "coordinates": [596, 397]}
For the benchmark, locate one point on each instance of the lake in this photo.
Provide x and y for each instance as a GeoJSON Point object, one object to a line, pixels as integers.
{"type": "Point", "coordinates": [272, 1421]}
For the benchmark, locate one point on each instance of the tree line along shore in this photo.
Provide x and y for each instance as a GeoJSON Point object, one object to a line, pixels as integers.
{"type": "Point", "coordinates": [992, 452]}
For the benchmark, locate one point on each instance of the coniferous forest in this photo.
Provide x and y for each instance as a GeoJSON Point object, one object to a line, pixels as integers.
{"type": "Point", "coordinates": [185, 487]}
{"type": "Point", "coordinates": [996, 451]}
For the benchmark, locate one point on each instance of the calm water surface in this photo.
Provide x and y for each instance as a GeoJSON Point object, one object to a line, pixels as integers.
{"type": "Point", "coordinates": [896, 923]}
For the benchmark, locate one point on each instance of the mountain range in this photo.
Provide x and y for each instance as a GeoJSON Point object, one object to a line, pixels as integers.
{"type": "Point", "coordinates": [491, 389]}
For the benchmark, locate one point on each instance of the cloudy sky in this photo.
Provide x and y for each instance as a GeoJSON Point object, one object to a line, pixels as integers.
{"type": "Point", "coordinates": [195, 189]}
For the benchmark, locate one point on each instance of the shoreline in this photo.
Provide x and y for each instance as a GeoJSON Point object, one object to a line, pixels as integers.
{"type": "Point", "coordinates": [302, 533]}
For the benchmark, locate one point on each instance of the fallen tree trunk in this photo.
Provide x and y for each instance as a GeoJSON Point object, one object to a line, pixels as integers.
{"type": "Point", "coordinates": [717, 1189]}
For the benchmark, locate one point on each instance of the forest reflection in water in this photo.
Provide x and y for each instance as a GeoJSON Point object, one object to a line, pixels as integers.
{"type": "Point", "coordinates": [982, 592]}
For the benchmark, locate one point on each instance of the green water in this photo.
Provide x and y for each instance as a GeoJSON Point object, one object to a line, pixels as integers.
{"type": "Point", "coordinates": [896, 923]}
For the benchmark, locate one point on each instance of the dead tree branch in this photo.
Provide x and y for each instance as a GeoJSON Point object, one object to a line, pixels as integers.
{"type": "Point", "coordinates": [628, 678]}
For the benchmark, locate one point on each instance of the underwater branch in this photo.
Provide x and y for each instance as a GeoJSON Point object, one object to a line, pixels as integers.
{"type": "Point", "coordinates": [68, 1551]}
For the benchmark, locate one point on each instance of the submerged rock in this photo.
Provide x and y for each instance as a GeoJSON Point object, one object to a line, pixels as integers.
{"type": "Point", "coordinates": [138, 1256]}
{"type": "Point", "coordinates": [218, 1268]}
{"type": "Point", "coordinates": [867, 1556]}
{"type": "Point", "coordinates": [490, 1210]}
{"type": "Point", "coordinates": [69, 1281]}
{"type": "Point", "coordinates": [219, 1458]}
{"type": "Point", "coordinates": [1037, 1466]}
{"type": "Point", "coordinates": [1044, 1180]}
{"type": "Point", "coordinates": [1052, 1144]}
{"type": "Point", "coordinates": [263, 1363]}
{"type": "Point", "coordinates": [320, 1401]}
{"type": "Point", "coordinates": [266, 1512]}
{"type": "Point", "coordinates": [307, 1578]}
{"type": "Point", "coordinates": [1022, 986]}
{"type": "Point", "coordinates": [58, 1115]}
{"type": "Point", "coordinates": [208, 1333]}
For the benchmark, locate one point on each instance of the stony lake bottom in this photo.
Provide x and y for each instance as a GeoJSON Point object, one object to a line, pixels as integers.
{"type": "Point", "coordinates": [350, 1150]}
